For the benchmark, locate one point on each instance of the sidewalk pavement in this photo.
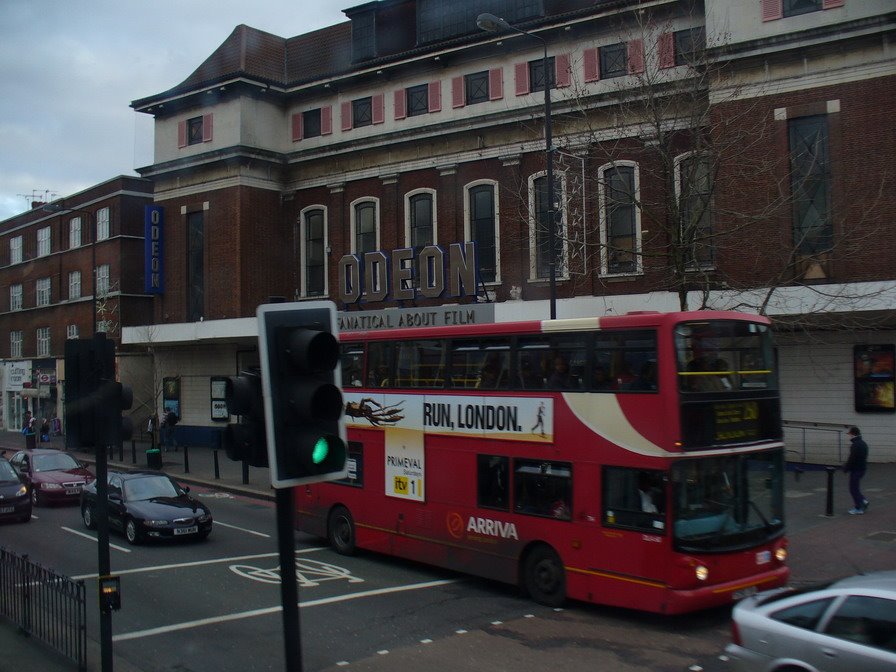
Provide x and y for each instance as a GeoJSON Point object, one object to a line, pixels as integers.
{"type": "Point", "coordinates": [822, 547]}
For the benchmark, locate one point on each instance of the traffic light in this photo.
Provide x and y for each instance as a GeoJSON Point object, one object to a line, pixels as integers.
{"type": "Point", "coordinates": [89, 370]}
{"type": "Point", "coordinates": [113, 428]}
{"type": "Point", "coordinates": [245, 442]}
{"type": "Point", "coordinates": [301, 378]}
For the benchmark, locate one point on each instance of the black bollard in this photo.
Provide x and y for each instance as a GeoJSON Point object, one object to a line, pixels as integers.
{"type": "Point", "coordinates": [134, 452]}
{"type": "Point", "coordinates": [830, 503]}
{"type": "Point", "coordinates": [186, 459]}
{"type": "Point", "coordinates": [245, 473]}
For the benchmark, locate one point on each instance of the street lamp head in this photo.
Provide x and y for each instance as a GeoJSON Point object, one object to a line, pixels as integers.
{"type": "Point", "coordinates": [491, 23]}
{"type": "Point", "coordinates": [52, 207]}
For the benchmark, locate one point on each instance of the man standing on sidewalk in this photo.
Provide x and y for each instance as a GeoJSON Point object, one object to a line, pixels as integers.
{"type": "Point", "coordinates": [855, 466]}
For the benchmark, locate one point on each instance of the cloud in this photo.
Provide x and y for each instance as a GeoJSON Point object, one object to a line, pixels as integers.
{"type": "Point", "coordinates": [72, 68]}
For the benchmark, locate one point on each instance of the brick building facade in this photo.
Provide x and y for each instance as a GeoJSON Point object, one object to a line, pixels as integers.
{"type": "Point", "coordinates": [721, 154]}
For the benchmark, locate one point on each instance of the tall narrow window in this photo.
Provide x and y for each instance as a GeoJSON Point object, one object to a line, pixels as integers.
{"type": "Point", "coordinates": [43, 292]}
{"type": "Point", "coordinates": [43, 342]}
{"type": "Point", "coordinates": [74, 233]}
{"type": "Point", "coordinates": [102, 224]}
{"type": "Point", "coordinates": [15, 344]}
{"type": "Point", "coordinates": [15, 250]}
{"type": "Point", "coordinates": [484, 229]}
{"type": "Point", "coordinates": [619, 226]}
{"type": "Point", "coordinates": [103, 285]}
{"type": "Point", "coordinates": [695, 200]}
{"type": "Point", "coordinates": [540, 231]}
{"type": "Point", "coordinates": [365, 227]}
{"type": "Point", "coordinates": [810, 182]}
{"type": "Point", "coordinates": [15, 297]}
{"type": "Point", "coordinates": [420, 226]}
{"type": "Point", "coordinates": [74, 285]}
{"type": "Point", "coordinates": [313, 250]}
{"type": "Point", "coordinates": [71, 331]}
{"type": "Point", "coordinates": [195, 266]}
{"type": "Point", "coordinates": [43, 241]}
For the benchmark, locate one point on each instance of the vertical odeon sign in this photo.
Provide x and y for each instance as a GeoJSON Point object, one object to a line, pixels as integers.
{"type": "Point", "coordinates": [153, 231]}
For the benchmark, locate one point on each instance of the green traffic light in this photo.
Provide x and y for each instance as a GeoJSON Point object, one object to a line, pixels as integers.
{"type": "Point", "coordinates": [321, 450]}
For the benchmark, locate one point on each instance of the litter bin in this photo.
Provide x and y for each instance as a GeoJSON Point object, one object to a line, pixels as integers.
{"type": "Point", "coordinates": [154, 458]}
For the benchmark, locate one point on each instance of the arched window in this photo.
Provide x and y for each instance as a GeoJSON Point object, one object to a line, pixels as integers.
{"type": "Point", "coordinates": [313, 255]}
{"type": "Point", "coordinates": [540, 255]}
{"type": "Point", "coordinates": [481, 225]}
{"type": "Point", "coordinates": [620, 222]}
{"type": "Point", "coordinates": [365, 226]}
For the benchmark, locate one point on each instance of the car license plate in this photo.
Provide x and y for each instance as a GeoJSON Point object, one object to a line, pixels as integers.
{"type": "Point", "coordinates": [7, 509]}
{"type": "Point", "coordinates": [185, 530]}
{"type": "Point", "coordinates": [763, 557]}
{"type": "Point", "coordinates": [73, 491]}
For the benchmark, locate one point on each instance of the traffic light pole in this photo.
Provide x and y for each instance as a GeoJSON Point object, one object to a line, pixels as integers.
{"type": "Point", "coordinates": [289, 589]}
{"type": "Point", "coordinates": [103, 563]}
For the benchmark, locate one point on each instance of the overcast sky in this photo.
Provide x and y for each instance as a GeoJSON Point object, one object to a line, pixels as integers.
{"type": "Point", "coordinates": [69, 70]}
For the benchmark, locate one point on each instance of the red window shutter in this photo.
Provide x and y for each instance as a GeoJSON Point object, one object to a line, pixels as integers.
{"type": "Point", "coordinates": [346, 113]}
{"type": "Point", "coordinates": [435, 96]}
{"type": "Point", "coordinates": [591, 65]}
{"type": "Point", "coordinates": [830, 4]}
{"type": "Point", "coordinates": [521, 75]}
{"type": "Point", "coordinates": [772, 10]}
{"type": "Point", "coordinates": [561, 70]}
{"type": "Point", "coordinates": [378, 108]}
{"type": "Point", "coordinates": [297, 127]}
{"type": "Point", "coordinates": [182, 133]}
{"type": "Point", "coordinates": [496, 84]}
{"type": "Point", "coordinates": [666, 47]}
{"type": "Point", "coordinates": [400, 103]}
{"type": "Point", "coordinates": [207, 127]}
{"type": "Point", "coordinates": [457, 92]}
{"type": "Point", "coordinates": [635, 57]}
{"type": "Point", "coordinates": [326, 120]}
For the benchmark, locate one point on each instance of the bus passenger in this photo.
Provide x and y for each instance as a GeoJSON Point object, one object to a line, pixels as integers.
{"type": "Point", "coordinates": [600, 378]}
{"type": "Point", "coordinates": [529, 378]}
{"type": "Point", "coordinates": [561, 378]}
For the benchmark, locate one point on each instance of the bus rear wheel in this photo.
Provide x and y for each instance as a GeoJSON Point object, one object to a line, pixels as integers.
{"type": "Point", "coordinates": [341, 531]}
{"type": "Point", "coordinates": [543, 576]}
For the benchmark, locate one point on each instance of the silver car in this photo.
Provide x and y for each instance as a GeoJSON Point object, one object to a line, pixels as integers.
{"type": "Point", "coordinates": [848, 625]}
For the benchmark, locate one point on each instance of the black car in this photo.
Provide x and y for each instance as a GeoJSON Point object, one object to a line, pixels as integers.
{"type": "Point", "coordinates": [15, 499]}
{"type": "Point", "coordinates": [148, 505]}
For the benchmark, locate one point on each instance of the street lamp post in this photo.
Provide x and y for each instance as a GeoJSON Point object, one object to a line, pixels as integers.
{"type": "Point", "coordinates": [60, 209]}
{"type": "Point", "coordinates": [493, 24]}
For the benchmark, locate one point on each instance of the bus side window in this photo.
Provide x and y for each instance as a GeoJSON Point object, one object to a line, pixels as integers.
{"type": "Point", "coordinates": [634, 498]}
{"type": "Point", "coordinates": [379, 365]}
{"type": "Point", "coordinates": [543, 488]}
{"type": "Point", "coordinates": [492, 483]}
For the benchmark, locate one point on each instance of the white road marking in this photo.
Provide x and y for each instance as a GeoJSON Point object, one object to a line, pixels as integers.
{"type": "Point", "coordinates": [92, 538]}
{"type": "Point", "coordinates": [197, 563]}
{"type": "Point", "coordinates": [243, 529]}
{"type": "Point", "coordinates": [273, 610]}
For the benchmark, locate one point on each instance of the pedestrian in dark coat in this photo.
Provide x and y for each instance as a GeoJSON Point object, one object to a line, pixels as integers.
{"type": "Point", "coordinates": [856, 465]}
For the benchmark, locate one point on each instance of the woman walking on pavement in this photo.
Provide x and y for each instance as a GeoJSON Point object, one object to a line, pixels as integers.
{"type": "Point", "coordinates": [855, 466]}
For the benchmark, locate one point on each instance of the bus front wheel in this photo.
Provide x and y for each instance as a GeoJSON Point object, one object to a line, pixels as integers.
{"type": "Point", "coordinates": [544, 577]}
{"type": "Point", "coordinates": [341, 531]}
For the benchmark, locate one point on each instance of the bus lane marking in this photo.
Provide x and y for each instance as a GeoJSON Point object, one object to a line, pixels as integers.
{"type": "Point", "coordinates": [213, 620]}
{"type": "Point", "coordinates": [92, 538]}
{"type": "Point", "coordinates": [310, 573]}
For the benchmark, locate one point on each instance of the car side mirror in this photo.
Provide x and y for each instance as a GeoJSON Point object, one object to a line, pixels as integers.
{"type": "Point", "coordinates": [114, 497]}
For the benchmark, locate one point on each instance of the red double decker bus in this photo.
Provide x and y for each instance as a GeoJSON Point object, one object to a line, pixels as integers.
{"type": "Point", "coordinates": [634, 460]}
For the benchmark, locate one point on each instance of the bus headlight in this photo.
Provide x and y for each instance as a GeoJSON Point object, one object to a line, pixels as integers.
{"type": "Point", "coordinates": [701, 572]}
{"type": "Point", "coordinates": [780, 554]}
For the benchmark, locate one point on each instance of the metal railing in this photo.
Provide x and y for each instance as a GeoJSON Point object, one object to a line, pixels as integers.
{"type": "Point", "coordinates": [814, 442]}
{"type": "Point", "coordinates": [45, 605]}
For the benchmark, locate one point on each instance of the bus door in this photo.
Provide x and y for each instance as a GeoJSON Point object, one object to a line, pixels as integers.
{"type": "Point", "coordinates": [635, 526]}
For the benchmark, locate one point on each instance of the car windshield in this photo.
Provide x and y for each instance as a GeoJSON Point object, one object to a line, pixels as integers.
{"type": "Point", "coordinates": [725, 503]}
{"type": "Point", "coordinates": [7, 473]}
{"type": "Point", "coordinates": [54, 462]}
{"type": "Point", "coordinates": [138, 489]}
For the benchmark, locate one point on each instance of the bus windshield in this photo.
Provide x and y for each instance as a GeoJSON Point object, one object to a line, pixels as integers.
{"type": "Point", "coordinates": [724, 356]}
{"type": "Point", "coordinates": [727, 503]}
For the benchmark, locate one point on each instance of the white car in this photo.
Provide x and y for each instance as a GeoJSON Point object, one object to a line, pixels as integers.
{"type": "Point", "coordinates": [848, 625]}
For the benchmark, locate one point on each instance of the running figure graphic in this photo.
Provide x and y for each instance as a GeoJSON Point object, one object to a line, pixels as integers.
{"type": "Point", "coordinates": [539, 420]}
